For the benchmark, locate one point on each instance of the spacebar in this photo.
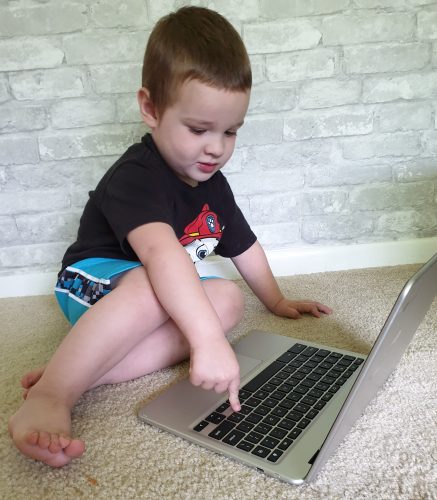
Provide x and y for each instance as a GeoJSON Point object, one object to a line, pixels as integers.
{"type": "Point", "coordinates": [263, 376]}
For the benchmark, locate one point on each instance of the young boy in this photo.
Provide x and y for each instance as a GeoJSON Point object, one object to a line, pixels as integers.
{"type": "Point", "coordinates": [164, 205]}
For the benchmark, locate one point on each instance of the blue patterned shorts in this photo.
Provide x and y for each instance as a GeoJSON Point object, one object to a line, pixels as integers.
{"type": "Point", "coordinates": [82, 284]}
{"type": "Point", "coordinates": [85, 282]}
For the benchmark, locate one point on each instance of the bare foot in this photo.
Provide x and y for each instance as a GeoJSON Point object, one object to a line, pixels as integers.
{"type": "Point", "coordinates": [30, 379]}
{"type": "Point", "coordinates": [41, 429]}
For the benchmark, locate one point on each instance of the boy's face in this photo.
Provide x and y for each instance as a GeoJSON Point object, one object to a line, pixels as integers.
{"type": "Point", "coordinates": [196, 135]}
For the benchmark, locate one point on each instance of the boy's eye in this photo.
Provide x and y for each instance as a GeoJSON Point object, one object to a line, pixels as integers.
{"type": "Point", "coordinates": [231, 133]}
{"type": "Point", "coordinates": [197, 131]}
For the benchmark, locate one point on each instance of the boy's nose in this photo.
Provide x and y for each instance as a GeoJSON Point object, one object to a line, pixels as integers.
{"type": "Point", "coordinates": [215, 146]}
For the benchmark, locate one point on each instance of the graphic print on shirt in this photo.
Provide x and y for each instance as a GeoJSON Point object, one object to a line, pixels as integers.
{"type": "Point", "coordinates": [202, 235]}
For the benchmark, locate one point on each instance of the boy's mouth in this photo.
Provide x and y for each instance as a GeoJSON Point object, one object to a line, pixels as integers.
{"type": "Point", "coordinates": [207, 168]}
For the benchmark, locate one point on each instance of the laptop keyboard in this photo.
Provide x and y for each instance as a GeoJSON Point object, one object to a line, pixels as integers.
{"type": "Point", "coordinates": [281, 401]}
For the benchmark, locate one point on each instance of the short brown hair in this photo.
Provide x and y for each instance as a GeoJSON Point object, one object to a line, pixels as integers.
{"type": "Point", "coordinates": [194, 43]}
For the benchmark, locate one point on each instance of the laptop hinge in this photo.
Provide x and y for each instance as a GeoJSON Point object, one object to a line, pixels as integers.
{"type": "Point", "coordinates": [313, 458]}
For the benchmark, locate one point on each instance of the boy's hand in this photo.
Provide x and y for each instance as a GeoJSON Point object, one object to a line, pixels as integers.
{"type": "Point", "coordinates": [295, 308]}
{"type": "Point", "coordinates": [213, 365]}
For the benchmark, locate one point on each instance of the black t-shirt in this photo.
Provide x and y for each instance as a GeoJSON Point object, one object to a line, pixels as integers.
{"type": "Point", "coordinates": [140, 188]}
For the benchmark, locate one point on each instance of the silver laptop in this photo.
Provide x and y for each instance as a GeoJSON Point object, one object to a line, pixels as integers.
{"type": "Point", "coordinates": [299, 399]}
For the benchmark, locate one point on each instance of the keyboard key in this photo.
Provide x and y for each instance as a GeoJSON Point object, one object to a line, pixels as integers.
{"type": "Point", "coordinates": [303, 423]}
{"type": "Point", "coordinates": [286, 403]}
{"type": "Point", "coordinates": [261, 452]}
{"type": "Point", "coordinates": [244, 445]}
{"type": "Point", "coordinates": [262, 410]}
{"type": "Point", "coordinates": [278, 395]}
{"type": "Point", "coordinates": [297, 348]}
{"type": "Point", "coordinates": [253, 401]}
{"type": "Point", "coordinates": [285, 444]}
{"type": "Point", "coordinates": [263, 428]}
{"type": "Point", "coordinates": [286, 424]}
{"type": "Point", "coordinates": [254, 418]}
{"type": "Point", "coordinates": [261, 394]}
{"type": "Point", "coordinates": [236, 418]}
{"type": "Point", "coordinates": [215, 418]}
{"type": "Point", "coordinates": [278, 433]}
{"type": "Point", "coordinates": [233, 437]}
{"type": "Point", "coordinates": [295, 433]}
{"type": "Point", "coordinates": [263, 377]}
{"type": "Point", "coordinates": [270, 442]}
{"type": "Point", "coordinates": [245, 410]}
{"type": "Point", "coordinates": [303, 408]}
{"type": "Point", "coordinates": [244, 394]}
{"type": "Point", "coordinates": [275, 456]}
{"type": "Point", "coordinates": [254, 437]}
{"type": "Point", "coordinates": [312, 414]}
{"type": "Point", "coordinates": [309, 351]}
{"type": "Point", "coordinates": [319, 405]}
{"type": "Point", "coordinates": [294, 415]}
{"type": "Point", "coordinates": [222, 407]}
{"type": "Point", "coordinates": [271, 419]}
{"type": "Point", "coordinates": [270, 403]}
{"type": "Point", "coordinates": [245, 427]}
{"type": "Point", "coordinates": [200, 426]}
{"type": "Point", "coordinates": [279, 411]}
{"type": "Point", "coordinates": [221, 430]}
{"type": "Point", "coordinates": [309, 400]}
{"type": "Point", "coordinates": [287, 357]}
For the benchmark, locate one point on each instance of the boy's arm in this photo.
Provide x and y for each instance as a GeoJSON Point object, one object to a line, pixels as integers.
{"type": "Point", "coordinates": [213, 364]}
{"type": "Point", "coordinates": [255, 269]}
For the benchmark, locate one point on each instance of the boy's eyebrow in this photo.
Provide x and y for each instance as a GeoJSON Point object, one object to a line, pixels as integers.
{"type": "Point", "coordinates": [208, 123]}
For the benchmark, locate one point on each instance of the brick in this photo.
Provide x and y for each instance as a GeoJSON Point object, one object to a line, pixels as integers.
{"type": "Point", "coordinates": [289, 155]}
{"type": "Point", "coordinates": [4, 89]}
{"type": "Point", "coordinates": [336, 227]}
{"type": "Point", "coordinates": [404, 116]}
{"type": "Point", "coordinates": [416, 170]}
{"type": "Point", "coordinates": [274, 208]}
{"type": "Point", "coordinates": [310, 64]}
{"type": "Point", "coordinates": [82, 113]}
{"type": "Point", "coordinates": [116, 78]}
{"type": "Point", "coordinates": [427, 25]}
{"type": "Point", "coordinates": [277, 235]}
{"type": "Point", "coordinates": [32, 255]}
{"type": "Point", "coordinates": [109, 14]}
{"type": "Point", "coordinates": [413, 223]}
{"type": "Point", "coordinates": [49, 84]}
{"type": "Point", "coordinates": [34, 201]}
{"type": "Point", "coordinates": [237, 161]}
{"type": "Point", "coordinates": [235, 9]}
{"type": "Point", "coordinates": [83, 174]}
{"type": "Point", "coordinates": [328, 93]}
{"type": "Point", "coordinates": [330, 201]}
{"type": "Point", "coordinates": [270, 99]}
{"type": "Point", "coordinates": [17, 150]}
{"type": "Point", "coordinates": [48, 227]}
{"type": "Point", "coordinates": [42, 19]}
{"type": "Point", "coordinates": [260, 130]}
{"type": "Point", "coordinates": [373, 27]}
{"type": "Point", "coordinates": [391, 196]}
{"type": "Point", "coordinates": [386, 58]}
{"type": "Point", "coordinates": [104, 47]}
{"type": "Point", "coordinates": [30, 53]}
{"type": "Point", "coordinates": [295, 8]}
{"type": "Point", "coordinates": [280, 36]}
{"type": "Point", "coordinates": [430, 142]}
{"type": "Point", "coordinates": [372, 4]}
{"type": "Point", "coordinates": [8, 231]}
{"type": "Point", "coordinates": [339, 175]}
{"type": "Point", "coordinates": [409, 86]}
{"type": "Point", "coordinates": [97, 141]}
{"type": "Point", "coordinates": [127, 109]}
{"type": "Point", "coordinates": [328, 123]}
{"type": "Point", "coordinates": [258, 66]}
{"type": "Point", "coordinates": [379, 145]}
{"type": "Point", "coordinates": [264, 182]}
{"type": "Point", "coordinates": [20, 117]}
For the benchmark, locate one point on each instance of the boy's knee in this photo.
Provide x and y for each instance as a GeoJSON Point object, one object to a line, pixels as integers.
{"type": "Point", "coordinates": [229, 303]}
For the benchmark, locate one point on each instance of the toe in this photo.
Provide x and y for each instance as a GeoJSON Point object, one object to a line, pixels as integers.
{"type": "Point", "coordinates": [75, 449]}
{"type": "Point", "coordinates": [44, 440]}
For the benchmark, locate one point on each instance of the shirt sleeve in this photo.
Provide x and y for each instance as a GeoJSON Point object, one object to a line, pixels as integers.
{"type": "Point", "coordinates": [134, 195]}
{"type": "Point", "coordinates": [237, 234]}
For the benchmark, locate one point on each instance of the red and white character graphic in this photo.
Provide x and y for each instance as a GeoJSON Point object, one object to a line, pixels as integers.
{"type": "Point", "coordinates": [202, 235]}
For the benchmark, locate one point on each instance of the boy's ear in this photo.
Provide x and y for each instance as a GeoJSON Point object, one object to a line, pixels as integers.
{"type": "Point", "coordinates": [147, 109]}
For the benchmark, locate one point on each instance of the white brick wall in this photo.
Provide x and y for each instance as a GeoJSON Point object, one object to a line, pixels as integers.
{"type": "Point", "coordinates": [340, 145]}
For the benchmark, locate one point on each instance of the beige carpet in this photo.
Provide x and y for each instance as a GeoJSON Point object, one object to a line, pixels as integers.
{"type": "Point", "coordinates": [391, 452]}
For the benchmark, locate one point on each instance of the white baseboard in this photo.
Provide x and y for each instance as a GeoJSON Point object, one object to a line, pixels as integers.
{"type": "Point", "coordinates": [286, 262]}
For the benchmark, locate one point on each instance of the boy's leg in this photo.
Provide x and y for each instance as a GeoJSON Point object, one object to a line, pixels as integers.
{"type": "Point", "coordinates": [93, 354]}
